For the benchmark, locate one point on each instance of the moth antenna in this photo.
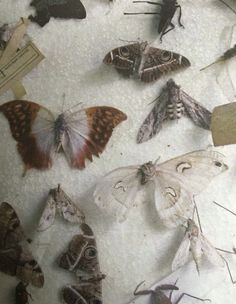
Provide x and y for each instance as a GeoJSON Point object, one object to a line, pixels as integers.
{"type": "Point", "coordinates": [144, 13]}
{"type": "Point", "coordinates": [74, 106]}
{"type": "Point", "coordinates": [138, 286]}
{"type": "Point", "coordinates": [198, 217]}
{"type": "Point", "coordinates": [226, 4]}
{"type": "Point", "coordinates": [58, 187]}
{"type": "Point", "coordinates": [227, 251]}
{"type": "Point", "coordinates": [129, 41]}
{"type": "Point", "coordinates": [209, 65]}
{"type": "Point", "coordinates": [230, 274]}
{"type": "Point", "coordinates": [156, 161]}
{"type": "Point", "coordinates": [154, 100]}
{"type": "Point", "coordinates": [63, 101]}
{"type": "Point", "coordinates": [224, 208]}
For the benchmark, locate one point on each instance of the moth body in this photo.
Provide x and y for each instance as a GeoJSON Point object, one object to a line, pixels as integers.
{"type": "Point", "coordinates": [146, 172]}
{"type": "Point", "coordinates": [60, 127]}
{"type": "Point", "coordinates": [21, 294]}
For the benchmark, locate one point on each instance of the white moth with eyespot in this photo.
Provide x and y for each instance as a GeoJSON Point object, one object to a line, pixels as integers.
{"type": "Point", "coordinates": [176, 181]}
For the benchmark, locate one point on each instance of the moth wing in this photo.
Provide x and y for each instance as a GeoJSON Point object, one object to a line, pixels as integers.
{"type": "Point", "coordinates": [198, 114]}
{"type": "Point", "coordinates": [211, 253]}
{"type": "Point", "coordinates": [192, 171]}
{"type": "Point", "coordinates": [153, 122]}
{"type": "Point", "coordinates": [157, 62]}
{"type": "Point", "coordinates": [116, 193]}
{"type": "Point", "coordinates": [182, 254]}
{"type": "Point", "coordinates": [32, 126]}
{"type": "Point", "coordinates": [84, 292]}
{"type": "Point", "coordinates": [48, 215]}
{"type": "Point", "coordinates": [88, 132]}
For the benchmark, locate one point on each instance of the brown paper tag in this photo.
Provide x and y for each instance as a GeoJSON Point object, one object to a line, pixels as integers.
{"type": "Point", "coordinates": [223, 124]}
{"type": "Point", "coordinates": [18, 66]}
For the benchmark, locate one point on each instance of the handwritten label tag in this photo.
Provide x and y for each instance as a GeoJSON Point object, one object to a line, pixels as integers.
{"type": "Point", "coordinates": [223, 124]}
{"type": "Point", "coordinates": [19, 65]}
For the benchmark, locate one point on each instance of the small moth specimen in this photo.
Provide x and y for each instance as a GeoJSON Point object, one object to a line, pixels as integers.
{"type": "Point", "coordinates": [143, 62]}
{"type": "Point", "coordinates": [15, 259]}
{"type": "Point", "coordinates": [4, 36]}
{"type": "Point", "coordinates": [21, 294]}
{"type": "Point", "coordinates": [64, 9]}
{"type": "Point", "coordinates": [175, 183]}
{"type": "Point", "coordinates": [167, 12]}
{"type": "Point", "coordinates": [82, 259]}
{"type": "Point", "coordinates": [230, 53]}
{"type": "Point", "coordinates": [158, 296]}
{"type": "Point", "coordinates": [40, 135]}
{"type": "Point", "coordinates": [234, 11]}
{"type": "Point", "coordinates": [195, 243]}
{"type": "Point", "coordinates": [59, 201]}
{"type": "Point", "coordinates": [170, 105]}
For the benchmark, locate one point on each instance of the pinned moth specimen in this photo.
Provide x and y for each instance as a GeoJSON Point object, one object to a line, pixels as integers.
{"type": "Point", "coordinates": [234, 11]}
{"type": "Point", "coordinates": [170, 105]}
{"type": "Point", "coordinates": [40, 135]}
{"type": "Point", "coordinates": [194, 242]}
{"type": "Point", "coordinates": [21, 294]}
{"type": "Point", "coordinates": [144, 62]}
{"type": "Point", "coordinates": [158, 295]}
{"type": "Point", "coordinates": [82, 259]}
{"type": "Point", "coordinates": [63, 9]}
{"type": "Point", "coordinates": [167, 12]}
{"type": "Point", "coordinates": [59, 201]}
{"type": "Point", "coordinates": [230, 53]}
{"type": "Point", "coordinates": [4, 35]}
{"type": "Point", "coordinates": [15, 258]}
{"type": "Point", "coordinates": [175, 182]}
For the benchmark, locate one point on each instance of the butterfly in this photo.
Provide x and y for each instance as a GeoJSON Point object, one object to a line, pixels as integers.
{"type": "Point", "coordinates": [82, 259]}
{"type": "Point", "coordinates": [175, 182]}
{"type": "Point", "coordinates": [15, 259]}
{"type": "Point", "coordinates": [64, 9]}
{"type": "Point", "coordinates": [21, 294]}
{"type": "Point", "coordinates": [194, 242]}
{"type": "Point", "coordinates": [39, 135]}
{"type": "Point", "coordinates": [170, 105]}
{"type": "Point", "coordinates": [144, 62]}
{"type": "Point", "coordinates": [59, 201]}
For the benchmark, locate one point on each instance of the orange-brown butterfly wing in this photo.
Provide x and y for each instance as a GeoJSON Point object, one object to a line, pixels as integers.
{"type": "Point", "coordinates": [29, 123]}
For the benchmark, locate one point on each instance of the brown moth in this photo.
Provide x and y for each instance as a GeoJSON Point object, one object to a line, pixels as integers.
{"type": "Point", "coordinates": [21, 294]}
{"type": "Point", "coordinates": [144, 62]}
{"type": "Point", "coordinates": [15, 259]}
{"type": "Point", "coordinates": [82, 259]}
{"type": "Point", "coordinates": [59, 201]}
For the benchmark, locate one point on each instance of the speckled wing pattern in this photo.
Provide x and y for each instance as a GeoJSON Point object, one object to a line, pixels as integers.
{"type": "Point", "coordinates": [144, 62]}
{"type": "Point", "coordinates": [59, 201]}
{"type": "Point", "coordinates": [39, 135]}
{"type": "Point", "coordinates": [64, 9]}
{"type": "Point", "coordinates": [82, 259]}
{"type": "Point", "coordinates": [16, 260]}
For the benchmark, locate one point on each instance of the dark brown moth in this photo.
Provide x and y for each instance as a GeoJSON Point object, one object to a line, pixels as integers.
{"type": "Point", "coordinates": [170, 105]}
{"type": "Point", "coordinates": [15, 258]}
{"type": "Point", "coordinates": [64, 9]}
{"type": "Point", "coordinates": [167, 12]}
{"type": "Point", "coordinates": [21, 294]}
{"type": "Point", "coordinates": [234, 11]}
{"type": "Point", "coordinates": [230, 53]}
{"type": "Point", "coordinates": [82, 259]}
{"type": "Point", "coordinates": [159, 297]}
{"type": "Point", "coordinates": [144, 62]}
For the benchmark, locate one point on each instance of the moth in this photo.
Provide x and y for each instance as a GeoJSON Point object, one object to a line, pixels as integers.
{"type": "Point", "coordinates": [230, 53]}
{"type": "Point", "coordinates": [234, 11]}
{"type": "Point", "coordinates": [175, 182]}
{"type": "Point", "coordinates": [59, 201]}
{"type": "Point", "coordinates": [63, 9]}
{"type": "Point", "coordinates": [40, 135]}
{"type": "Point", "coordinates": [167, 12]}
{"type": "Point", "coordinates": [15, 258]}
{"type": "Point", "coordinates": [171, 105]}
{"type": "Point", "coordinates": [21, 294]}
{"type": "Point", "coordinates": [158, 295]}
{"type": "Point", "coordinates": [144, 62]}
{"type": "Point", "coordinates": [82, 259]}
{"type": "Point", "coordinates": [4, 35]}
{"type": "Point", "coordinates": [194, 242]}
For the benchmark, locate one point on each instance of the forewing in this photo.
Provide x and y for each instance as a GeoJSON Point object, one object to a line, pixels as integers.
{"type": "Point", "coordinates": [86, 292]}
{"type": "Point", "coordinates": [211, 253]}
{"type": "Point", "coordinates": [48, 215]}
{"type": "Point", "coordinates": [157, 62]}
{"type": "Point", "coordinates": [199, 114]}
{"type": "Point", "coordinates": [153, 122]}
{"type": "Point", "coordinates": [182, 254]}
{"type": "Point", "coordinates": [116, 192]}
{"type": "Point", "coordinates": [32, 126]}
{"type": "Point", "coordinates": [88, 132]}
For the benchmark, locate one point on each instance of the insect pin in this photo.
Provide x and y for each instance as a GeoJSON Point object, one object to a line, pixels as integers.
{"type": "Point", "coordinates": [230, 53]}
{"type": "Point", "coordinates": [167, 12]}
{"type": "Point", "coordinates": [21, 294]}
{"type": "Point", "coordinates": [159, 297]}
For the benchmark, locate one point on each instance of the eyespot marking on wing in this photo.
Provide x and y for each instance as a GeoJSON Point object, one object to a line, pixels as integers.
{"type": "Point", "coordinates": [181, 167]}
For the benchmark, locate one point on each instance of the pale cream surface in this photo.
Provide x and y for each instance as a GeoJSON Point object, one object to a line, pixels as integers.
{"type": "Point", "coordinates": [140, 248]}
